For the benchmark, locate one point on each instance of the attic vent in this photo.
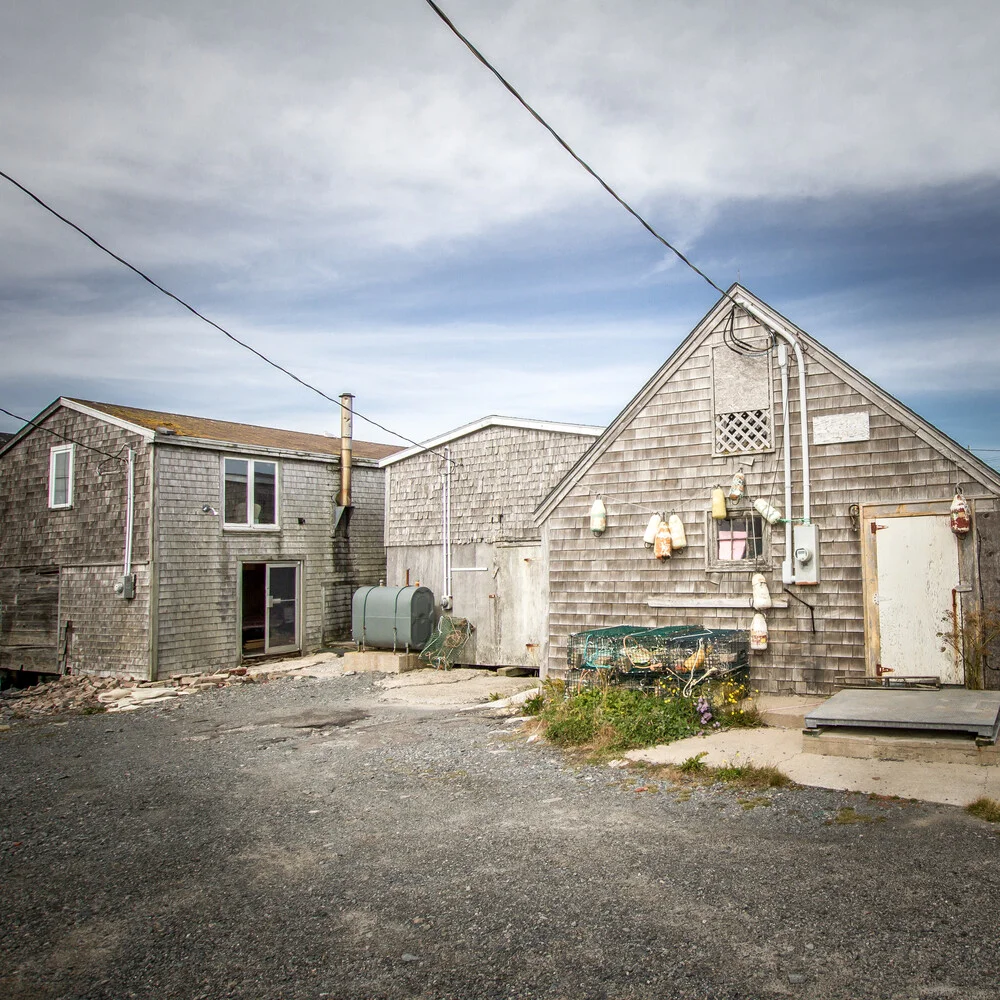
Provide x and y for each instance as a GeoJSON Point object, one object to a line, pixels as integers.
{"type": "Point", "coordinates": [741, 432]}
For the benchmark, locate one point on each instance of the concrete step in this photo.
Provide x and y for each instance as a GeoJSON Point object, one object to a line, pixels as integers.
{"type": "Point", "coordinates": [375, 661]}
{"type": "Point", "coordinates": [900, 745]}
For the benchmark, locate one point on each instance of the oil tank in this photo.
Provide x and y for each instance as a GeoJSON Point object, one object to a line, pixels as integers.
{"type": "Point", "coordinates": [392, 617]}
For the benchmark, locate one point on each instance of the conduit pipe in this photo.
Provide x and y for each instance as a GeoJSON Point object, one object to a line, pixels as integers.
{"type": "Point", "coordinates": [129, 512]}
{"type": "Point", "coordinates": [446, 570]}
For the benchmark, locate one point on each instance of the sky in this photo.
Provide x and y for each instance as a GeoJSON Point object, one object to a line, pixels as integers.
{"type": "Point", "coordinates": [347, 189]}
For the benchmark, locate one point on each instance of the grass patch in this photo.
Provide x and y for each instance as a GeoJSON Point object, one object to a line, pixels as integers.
{"type": "Point", "coordinates": [610, 719]}
{"type": "Point", "coordinates": [985, 808]}
{"type": "Point", "coordinates": [752, 776]}
{"type": "Point", "coordinates": [757, 800]}
{"type": "Point", "coordinates": [848, 816]}
{"type": "Point", "coordinates": [746, 716]}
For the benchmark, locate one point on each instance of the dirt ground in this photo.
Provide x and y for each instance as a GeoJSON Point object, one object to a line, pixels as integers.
{"type": "Point", "coordinates": [311, 838]}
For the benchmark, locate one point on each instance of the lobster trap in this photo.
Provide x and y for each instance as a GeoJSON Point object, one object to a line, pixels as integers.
{"type": "Point", "coordinates": [446, 642]}
{"type": "Point", "coordinates": [676, 656]}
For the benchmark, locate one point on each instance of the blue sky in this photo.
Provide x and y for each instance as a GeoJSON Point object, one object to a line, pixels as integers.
{"type": "Point", "coordinates": [345, 188]}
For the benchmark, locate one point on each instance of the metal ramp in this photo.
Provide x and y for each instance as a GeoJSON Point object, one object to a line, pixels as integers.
{"type": "Point", "coordinates": [952, 710]}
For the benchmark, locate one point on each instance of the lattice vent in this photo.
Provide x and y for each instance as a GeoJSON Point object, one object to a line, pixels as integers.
{"type": "Point", "coordinates": [749, 430]}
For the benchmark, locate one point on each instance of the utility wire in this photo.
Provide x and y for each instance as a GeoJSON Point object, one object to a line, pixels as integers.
{"type": "Point", "coordinates": [48, 430]}
{"type": "Point", "coordinates": [569, 149]}
{"type": "Point", "coordinates": [191, 309]}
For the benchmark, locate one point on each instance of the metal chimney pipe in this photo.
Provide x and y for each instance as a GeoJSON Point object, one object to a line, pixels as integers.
{"type": "Point", "coordinates": [346, 434]}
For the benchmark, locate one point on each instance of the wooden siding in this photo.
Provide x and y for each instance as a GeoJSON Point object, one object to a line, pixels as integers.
{"type": "Point", "coordinates": [198, 562]}
{"type": "Point", "coordinates": [661, 460]}
{"type": "Point", "coordinates": [500, 476]}
{"type": "Point", "coordinates": [79, 550]}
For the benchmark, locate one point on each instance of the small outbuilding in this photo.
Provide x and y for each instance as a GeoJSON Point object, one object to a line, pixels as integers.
{"type": "Point", "coordinates": [841, 498]}
{"type": "Point", "coordinates": [459, 519]}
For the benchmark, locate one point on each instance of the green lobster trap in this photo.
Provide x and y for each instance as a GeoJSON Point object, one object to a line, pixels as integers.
{"type": "Point", "coordinates": [681, 655]}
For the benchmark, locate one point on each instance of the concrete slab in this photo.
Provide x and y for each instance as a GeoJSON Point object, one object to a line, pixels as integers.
{"type": "Point", "coordinates": [788, 711]}
{"type": "Point", "coordinates": [451, 688]}
{"type": "Point", "coordinates": [950, 784]}
{"type": "Point", "coordinates": [947, 710]}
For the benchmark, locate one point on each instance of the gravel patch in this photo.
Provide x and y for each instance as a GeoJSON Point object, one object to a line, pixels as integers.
{"type": "Point", "coordinates": [304, 838]}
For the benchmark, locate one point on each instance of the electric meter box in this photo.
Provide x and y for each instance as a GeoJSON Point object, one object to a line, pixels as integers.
{"type": "Point", "coordinates": [805, 554]}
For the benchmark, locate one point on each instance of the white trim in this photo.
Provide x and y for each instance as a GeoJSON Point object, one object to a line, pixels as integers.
{"type": "Point", "coordinates": [62, 449]}
{"type": "Point", "coordinates": [126, 425]}
{"type": "Point", "coordinates": [212, 444]}
{"type": "Point", "coordinates": [248, 525]}
{"type": "Point", "coordinates": [552, 426]}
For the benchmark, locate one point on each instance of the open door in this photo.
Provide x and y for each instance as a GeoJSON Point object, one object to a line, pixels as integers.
{"type": "Point", "coordinates": [269, 608]}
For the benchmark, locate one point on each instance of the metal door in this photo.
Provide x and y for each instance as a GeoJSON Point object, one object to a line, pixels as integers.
{"type": "Point", "coordinates": [917, 586]}
{"type": "Point", "coordinates": [282, 607]}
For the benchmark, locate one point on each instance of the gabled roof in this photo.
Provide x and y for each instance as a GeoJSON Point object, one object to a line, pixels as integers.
{"type": "Point", "coordinates": [764, 314]}
{"type": "Point", "coordinates": [555, 427]}
{"type": "Point", "coordinates": [181, 428]}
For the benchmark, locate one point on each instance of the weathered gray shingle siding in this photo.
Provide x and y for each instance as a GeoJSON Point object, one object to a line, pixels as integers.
{"type": "Point", "coordinates": [662, 461]}
{"type": "Point", "coordinates": [500, 475]}
{"type": "Point", "coordinates": [198, 562]}
{"type": "Point", "coordinates": [84, 543]}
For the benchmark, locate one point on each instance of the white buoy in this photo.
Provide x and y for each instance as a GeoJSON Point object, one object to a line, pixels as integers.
{"type": "Point", "coordinates": [650, 534]}
{"type": "Point", "coordinates": [598, 517]}
{"type": "Point", "coordinates": [678, 537]}
{"type": "Point", "coordinates": [758, 633]}
{"type": "Point", "coordinates": [761, 595]}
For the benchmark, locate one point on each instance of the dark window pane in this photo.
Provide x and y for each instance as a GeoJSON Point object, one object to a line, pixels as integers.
{"type": "Point", "coordinates": [264, 493]}
{"type": "Point", "coordinates": [236, 491]}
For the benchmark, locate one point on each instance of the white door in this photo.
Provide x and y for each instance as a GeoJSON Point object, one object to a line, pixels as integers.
{"type": "Point", "coordinates": [917, 581]}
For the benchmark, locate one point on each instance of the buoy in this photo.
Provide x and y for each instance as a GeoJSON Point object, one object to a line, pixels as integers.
{"type": "Point", "coordinates": [758, 633]}
{"type": "Point", "coordinates": [598, 517]}
{"type": "Point", "coordinates": [738, 487]}
{"type": "Point", "coordinates": [719, 511]}
{"type": "Point", "coordinates": [961, 515]}
{"type": "Point", "coordinates": [678, 537]}
{"type": "Point", "coordinates": [770, 514]}
{"type": "Point", "coordinates": [650, 535]}
{"type": "Point", "coordinates": [761, 595]}
{"type": "Point", "coordinates": [661, 544]}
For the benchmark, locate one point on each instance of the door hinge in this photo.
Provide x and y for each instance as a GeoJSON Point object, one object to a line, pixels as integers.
{"type": "Point", "coordinates": [880, 670]}
{"type": "Point", "coordinates": [878, 527]}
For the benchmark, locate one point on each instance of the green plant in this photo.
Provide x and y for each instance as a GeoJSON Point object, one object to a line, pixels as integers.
{"type": "Point", "coordinates": [494, 696]}
{"type": "Point", "coordinates": [985, 808]}
{"type": "Point", "coordinates": [613, 719]}
{"type": "Point", "coordinates": [534, 704]}
{"type": "Point", "coordinates": [848, 815]}
{"type": "Point", "coordinates": [972, 636]}
{"type": "Point", "coordinates": [693, 764]}
{"type": "Point", "coordinates": [753, 776]}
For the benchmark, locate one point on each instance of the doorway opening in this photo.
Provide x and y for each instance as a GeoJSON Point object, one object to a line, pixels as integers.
{"type": "Point", "coordinates": [269, 620]}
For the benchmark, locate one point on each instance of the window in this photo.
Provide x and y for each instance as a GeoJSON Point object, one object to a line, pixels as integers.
{"type": "Point", "coordinates": [61, 476]}
{"type": "Point", "coordinates": [736, 542]}
{"type": "Point", "coordinates": [250, 497]}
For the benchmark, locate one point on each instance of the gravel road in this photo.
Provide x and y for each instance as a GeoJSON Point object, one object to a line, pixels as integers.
{"type": "Point", "coordinates": [304, 839]}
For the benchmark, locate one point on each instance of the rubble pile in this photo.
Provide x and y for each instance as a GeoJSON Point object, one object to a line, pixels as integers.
{"type": "Point", "coordinates": [86, 694]}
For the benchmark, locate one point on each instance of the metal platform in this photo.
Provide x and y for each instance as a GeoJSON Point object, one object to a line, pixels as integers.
{"type": "Point", "coordinates": [953, 710]}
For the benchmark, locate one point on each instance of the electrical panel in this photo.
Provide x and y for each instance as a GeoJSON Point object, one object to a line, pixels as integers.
{"type": "Point", "coordinates": [805, 554]}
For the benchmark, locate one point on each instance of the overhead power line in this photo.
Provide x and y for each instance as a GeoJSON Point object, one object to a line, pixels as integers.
{"type": "Point", "coordinates": [191, 309]}
{"type": "Point", "coordinates": [569, 149]}
{"type": "Point", "coordinates": [49, 430]}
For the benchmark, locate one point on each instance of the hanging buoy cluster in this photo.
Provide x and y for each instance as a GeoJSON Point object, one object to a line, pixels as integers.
{"type": "Point", "coordinates": [961, 515]}
{"type": "Point", "coordinates": [663, 545]}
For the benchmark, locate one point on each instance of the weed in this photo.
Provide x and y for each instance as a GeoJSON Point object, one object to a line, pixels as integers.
{"type": "Point", "coordinates": [985, 808]}
{"type": "Point", "coordinates": [746, 715]}
{"type": "Point", "coordinates": [613, 719]}
{"type": "Point", "coordinates": [93, 709]}
{"type": "Point", "coordinates": [693, 764]}
{"type": "Point", "coordinates": [534, 704]}
{"type": "Point", "coordinates": [757, 800]}
{"type": "Point", "coordinates": [752, 776]}
{"type": "Point", "coordinates": [494, 696]}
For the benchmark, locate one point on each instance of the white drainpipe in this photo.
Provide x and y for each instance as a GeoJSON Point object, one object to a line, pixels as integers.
{"type": "Point", "coordinates": [129, 512]}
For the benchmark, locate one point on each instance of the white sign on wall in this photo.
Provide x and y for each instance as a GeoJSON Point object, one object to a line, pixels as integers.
{"type": "Point", "coordinates": [840, 428]}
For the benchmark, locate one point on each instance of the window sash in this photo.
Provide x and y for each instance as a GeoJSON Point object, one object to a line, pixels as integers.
{"type": "Point", "coordinates": [250, 493]}
{"type": "Point", "coordinates": [61, 476]}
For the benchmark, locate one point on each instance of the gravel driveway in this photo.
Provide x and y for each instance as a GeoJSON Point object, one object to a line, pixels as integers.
{"type": "Point", "coordinates": [304, 839]}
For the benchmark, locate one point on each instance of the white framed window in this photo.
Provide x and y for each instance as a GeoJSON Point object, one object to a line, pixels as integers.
{"type": "Point", "coordinates": [61, 462]}
{"type": "Point", "coordinates": [250, 493]}
{"type": "Point", "coordinates": [737, 542]}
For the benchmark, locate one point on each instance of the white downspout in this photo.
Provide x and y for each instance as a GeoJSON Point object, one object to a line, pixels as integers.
{"type": "Point", "coordinates": [129, 512]}
{"type": "Point", "coordinates": [787, 568]}
{"type": "Point", "coordinates": [446, 601]}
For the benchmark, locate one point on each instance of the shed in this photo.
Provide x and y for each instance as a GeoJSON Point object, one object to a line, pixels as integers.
{"type": "Point", "coordinates": [866, 577]}
{"type": "Point", "coordinates": [459, 519]}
